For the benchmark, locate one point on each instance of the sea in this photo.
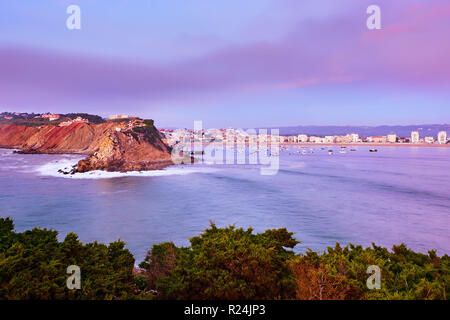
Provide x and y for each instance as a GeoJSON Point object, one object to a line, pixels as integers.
{"type": "Point", "coordinates": [393, 196]}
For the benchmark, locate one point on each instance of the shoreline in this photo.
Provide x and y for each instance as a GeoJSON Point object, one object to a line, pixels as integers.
{"type": "Point", "coordinates": [369, 144]}
{"type": "Point", "coordinates": [366, 144]}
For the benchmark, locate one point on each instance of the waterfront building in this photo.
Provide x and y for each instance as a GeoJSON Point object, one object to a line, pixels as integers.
{"type": "Point", "coordinates": [415, 137]}
{"type": "Point", "coordinates": [302, 138]}
{"type": "Point", "coordinates": [392, 138]}
{"type": "Point", "coordinates": [429, 139]}
{"type": "Point", "coordinates": [316, 139]}
{"type": "Point", "coordinates": [442, 137]}
{"type": "Point", "coordinates": [354, 137]}
{"type": "Point", "coordinates": [377, 139]}
{"type": "Point", "coordinates": [330, 139]}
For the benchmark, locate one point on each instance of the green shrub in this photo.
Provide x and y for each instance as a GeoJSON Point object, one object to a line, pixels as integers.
{"type": "Point", "coordinates": [230, 263]}
{"type": "Point", "coordinates": [33, 266]}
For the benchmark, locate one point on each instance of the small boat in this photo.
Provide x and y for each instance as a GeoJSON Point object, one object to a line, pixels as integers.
{"type": "Point", "coordinates": [352, 149]}
{"type": "Point", "coordinates": [373, 150]}
{"type": "Point", "coordinates": [342, 150]}
{"type": "Point", "coordinates": [330, 152]}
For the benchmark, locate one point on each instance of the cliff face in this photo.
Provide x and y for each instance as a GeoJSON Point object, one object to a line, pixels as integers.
{"type": "Point", "coordinates": [12, 136]}
{"type": "Point", "coordinates": [134, 149]}
{"type": "Point", "coordinates": [111, 146]}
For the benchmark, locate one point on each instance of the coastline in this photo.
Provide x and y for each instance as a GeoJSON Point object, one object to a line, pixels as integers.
{"type": "Point", "coordinates": [368, 144]}
{"type": "Point", "coordinates": [362, 144]}
{"type": "Point", "coordinates": [132, 146]}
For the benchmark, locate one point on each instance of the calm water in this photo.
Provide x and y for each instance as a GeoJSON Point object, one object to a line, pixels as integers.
{"type": "Point", "coordinates": [392, 196]}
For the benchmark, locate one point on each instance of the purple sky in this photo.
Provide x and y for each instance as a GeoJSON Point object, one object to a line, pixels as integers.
{"type": "Point", "coordinates": [262, 63]}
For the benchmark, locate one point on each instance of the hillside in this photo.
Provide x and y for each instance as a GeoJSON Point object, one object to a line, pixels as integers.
{"type": "Point", "coordinates": [112, 146]}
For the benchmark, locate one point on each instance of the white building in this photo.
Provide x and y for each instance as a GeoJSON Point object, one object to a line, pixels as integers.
{"type": "Point", "coordinates": [316, 139]}
{"type": "Point", "coordinates": [330, 139]}
{"type": "Point", "coordinates": [302, 138]}
{"type": "Point", "coordinates": [392, 138]}
{"type": "Point", "coordinates": [429, 139]}
{"type": "Point", "coordinates": [415, 137]}
{"type": "Point", "coordinates": [442, 137]}
{"type": "Point", "coordinates": [354, 137]}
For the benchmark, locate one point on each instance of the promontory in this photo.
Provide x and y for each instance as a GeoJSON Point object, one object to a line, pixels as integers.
{"type": "Point", "coordinates": [126, 144]}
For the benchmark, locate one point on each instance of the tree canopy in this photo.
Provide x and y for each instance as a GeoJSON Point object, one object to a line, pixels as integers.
{"type": "Point", "coordinates": [220, 263]}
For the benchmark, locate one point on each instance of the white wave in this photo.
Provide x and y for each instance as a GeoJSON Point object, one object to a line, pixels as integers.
{"type": "Point", "coordinates": [51, 169]}
{"type": "Point", "coordinates": [7, 152]}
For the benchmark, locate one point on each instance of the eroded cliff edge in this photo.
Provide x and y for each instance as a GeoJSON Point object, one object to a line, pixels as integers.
{"type": "Point", "coordinates": [133, 145]}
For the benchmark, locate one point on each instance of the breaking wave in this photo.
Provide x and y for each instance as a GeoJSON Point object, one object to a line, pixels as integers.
{"type": "Point", "coordinates": [53, 169]}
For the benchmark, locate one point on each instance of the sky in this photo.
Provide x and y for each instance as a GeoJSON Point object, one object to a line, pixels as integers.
{"type": "Point", "coordinates": [250, 63]}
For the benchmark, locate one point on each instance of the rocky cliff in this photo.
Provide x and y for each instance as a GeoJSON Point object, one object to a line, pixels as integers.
{"type": "Point", "coordinates": [113, 146]}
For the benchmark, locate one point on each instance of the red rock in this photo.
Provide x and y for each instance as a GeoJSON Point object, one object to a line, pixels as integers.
{"type": "Point", "coordinates": [134, 147]}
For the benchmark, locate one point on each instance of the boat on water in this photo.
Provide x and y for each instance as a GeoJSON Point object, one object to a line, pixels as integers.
{"type": "Point", "coordinates": [373, 150]}
{"type": "Point", "coordinates": [343, 150]}
{"type": "Point", "coordinates": [352, 149]}
{"type": "Point", "coordinates": [330, 152]}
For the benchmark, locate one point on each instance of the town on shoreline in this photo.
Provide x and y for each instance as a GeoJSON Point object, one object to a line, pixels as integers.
{"type": "Point", "coordinates": [233, 136]}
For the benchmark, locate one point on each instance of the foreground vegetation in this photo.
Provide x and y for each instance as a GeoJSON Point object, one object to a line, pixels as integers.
{"type": "Point", "coordinates": [221, 263]}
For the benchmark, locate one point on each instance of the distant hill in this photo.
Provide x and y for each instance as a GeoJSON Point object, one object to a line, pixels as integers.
{"type": "Point", "coordinates": [365, 131]}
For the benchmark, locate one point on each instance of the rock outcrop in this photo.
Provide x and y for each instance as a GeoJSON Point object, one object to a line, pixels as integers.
{"type": "Point", "coordinates": [140, 148]}
{"type": "Point", "coordinates": [113, 146]}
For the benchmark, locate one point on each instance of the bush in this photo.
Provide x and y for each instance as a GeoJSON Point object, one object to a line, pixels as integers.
{"type": "Point", "coordinates": [33, 266]}
{"type": "Point", "coordinates": [341, 274]}
{"type": "Point", "coordinates": [228, 263]}
{"type": "Point", "coordinates": [220, 263]}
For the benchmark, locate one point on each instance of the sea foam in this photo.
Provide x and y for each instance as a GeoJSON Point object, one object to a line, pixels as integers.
{"type": "Point", "coordinates": [65, 164]}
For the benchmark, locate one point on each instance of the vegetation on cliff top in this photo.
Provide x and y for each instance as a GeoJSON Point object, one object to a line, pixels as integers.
{"type": "Point", "coordinates": [34, 119]}
{"type": "Point", "coordinates": [221, 263]}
